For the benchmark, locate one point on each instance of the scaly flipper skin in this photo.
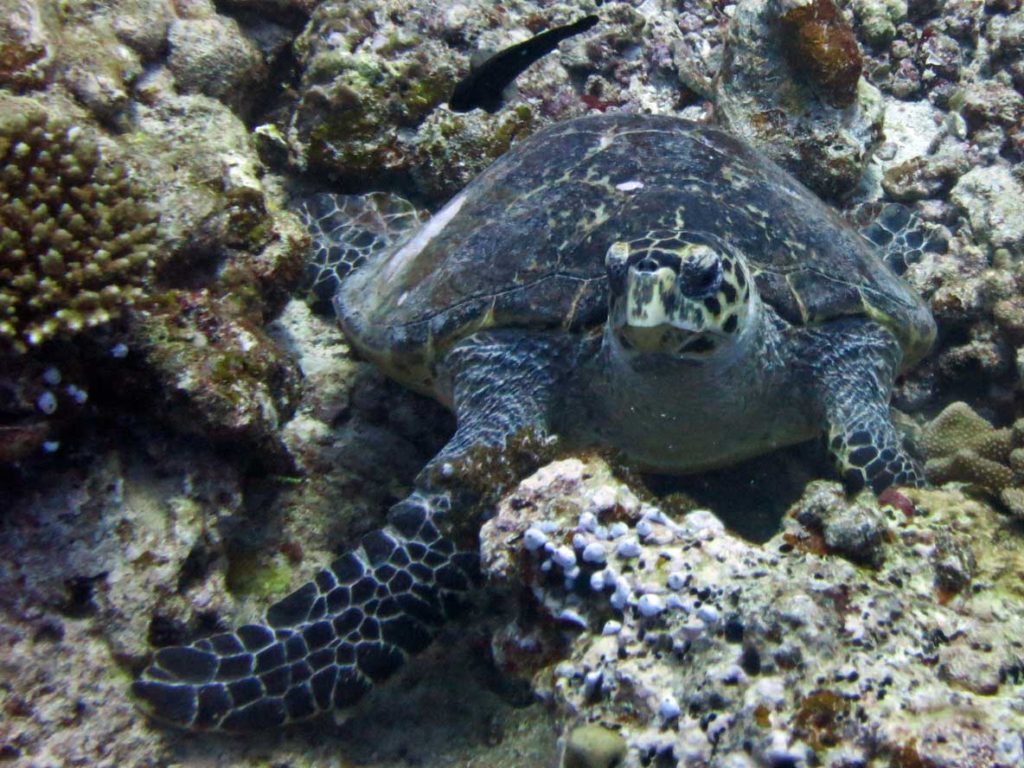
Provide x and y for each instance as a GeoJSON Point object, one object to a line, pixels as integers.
{"type": "Point", "coordinates": [857, 365]}
{"type": "Point", "coordinates": [326, 644]}
{"type": "Point", "coordinates": [348, 230]}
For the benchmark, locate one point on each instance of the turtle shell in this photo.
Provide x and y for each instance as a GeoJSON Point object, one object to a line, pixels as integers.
{"type": "Point", "coordinates": [524, 244]}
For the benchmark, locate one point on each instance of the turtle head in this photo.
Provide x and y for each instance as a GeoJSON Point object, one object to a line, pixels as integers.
{"type": "Point", "coordinates": [677, 293]}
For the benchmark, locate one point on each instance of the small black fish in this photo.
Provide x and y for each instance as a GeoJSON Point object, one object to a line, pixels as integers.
{"type": "Point", "coordinates": [483, 86]}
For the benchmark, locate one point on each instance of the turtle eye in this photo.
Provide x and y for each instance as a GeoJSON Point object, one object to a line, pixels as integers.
{"type": "Point", "coordinates": [700, 277]}
{"type": "Point", "coordinates": [617, 278]}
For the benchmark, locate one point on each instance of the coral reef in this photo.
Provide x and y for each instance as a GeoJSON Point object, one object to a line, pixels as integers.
{"type": "Point", "coordinates": [76, 232]}
{"type": "Point", "coordinates": [824, 49]}
{"type": "Point", "coordinates": [963, 447]}
{"type": "Point", "coordinates": [814, 115]}
{"type": "Point", "coordinates": [145, 525]}
{"type": "Point", "coordinates": [700, 648]}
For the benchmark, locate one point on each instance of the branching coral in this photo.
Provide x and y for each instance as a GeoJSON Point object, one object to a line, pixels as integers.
{"type": "Point", "coordinates": [963, 447]}
{"type": "Point", "coordinates": [76, 237]}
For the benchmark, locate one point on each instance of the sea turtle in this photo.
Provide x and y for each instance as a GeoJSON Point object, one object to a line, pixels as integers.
{"type": "Point", "coordinates": [628, 281]}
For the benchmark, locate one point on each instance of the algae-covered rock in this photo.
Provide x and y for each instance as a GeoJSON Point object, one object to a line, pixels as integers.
{"type": "Point", "coordinates": [219, 375]}
{"type": "Point", "coordinates": [453, 148]}
{"type": "Point", "coordinates": [993, 201]}
{"type": "Point", "coordinates": [716, 651]}
{"type": "Point", "coordinates": [363, 78]}
{"type": "Point", "coordinates": [855, 531]}
{"type": "Point", "coordinates": [210, 55]}
{"type": "Point", "coordinates": [877, 19]}
{"type": "Point", "coordinates": [814, 114]}
{"type": "Point", "coordinates": [822, 47]}
{"type": "Point", "coordinates": [25, 55]}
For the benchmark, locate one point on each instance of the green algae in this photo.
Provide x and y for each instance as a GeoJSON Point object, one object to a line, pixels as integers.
{"type": "Point", "coordinates": [252, 575]}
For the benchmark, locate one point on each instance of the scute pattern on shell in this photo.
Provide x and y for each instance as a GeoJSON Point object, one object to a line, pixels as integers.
{"type": "Point", "coordinates": [524, 244]}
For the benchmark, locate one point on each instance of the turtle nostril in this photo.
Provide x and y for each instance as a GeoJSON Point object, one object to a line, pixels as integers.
{"type": "Point", "coordinates": [647, 264]}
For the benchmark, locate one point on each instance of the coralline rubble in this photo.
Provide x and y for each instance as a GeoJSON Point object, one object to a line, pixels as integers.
{"type": "Point", "coordinates": [859, 633]}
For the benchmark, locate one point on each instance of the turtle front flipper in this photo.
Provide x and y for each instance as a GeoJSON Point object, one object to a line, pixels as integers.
{"type": "Point", "coordinates": [856, 370]}
{"type": "Point", "coordinates": [323, 646]}
{"type": "Point", "coordinates": [348, 230]}
{"type": "Point", "coordinates": [326, 644]}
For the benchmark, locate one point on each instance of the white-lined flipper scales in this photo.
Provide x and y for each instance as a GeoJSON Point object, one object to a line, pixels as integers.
{"type": "Point", "coordinates": [326, 644]}
{"type": "Point", "coordinates": [348, 230]}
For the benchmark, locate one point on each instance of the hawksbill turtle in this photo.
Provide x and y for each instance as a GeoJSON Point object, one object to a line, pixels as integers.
{"type": "Point", "coordinates": [636, 282]}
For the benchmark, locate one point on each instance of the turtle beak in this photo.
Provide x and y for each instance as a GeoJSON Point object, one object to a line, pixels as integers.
{"type": "Point", "coordinates": [655, 313]}
{"type": "Point", "coordinates": [658, 338]}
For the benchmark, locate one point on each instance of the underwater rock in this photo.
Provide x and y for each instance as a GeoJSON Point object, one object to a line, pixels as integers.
{"type": "Point", "coordinates": [364, 76]}
{"type": "Point", "coordinates": [790, 114]}
{"type": "Point", "coordinates": [210, 55]}
{"type": "Point", "coordinates": [593, 746]}
{"type": "Point", "coordinates": [25, 56]}
{"type": "Point", "coordinates": [993, 201]}
{"type": "Point", "coordinates": [376, 78]}
{"type": "Point", "coordinates": [99, 70]}
{"type": "Point", "coordinates": [852, 530]}
{"type": "Point", "coordinates": [877, 19]}
{"type": "Point", "coordinates": [765, 648]}
{"type": "Point", "coordinates": [990, 103]}
{"type": "Point", "coordinates": [821, 46]}
{"type": "Point", "coordinates": [142, 24]}
{"type": "Point", "coordinates": [451, 149]}
{"type": "Point", "coordinates": [78, 233]}
{"type": "Point", "coordinates": [925, 177]}
{"type": "Point", "coordinates": [217, 374]}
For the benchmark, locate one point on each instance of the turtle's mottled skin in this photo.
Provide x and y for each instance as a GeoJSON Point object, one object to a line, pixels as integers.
{"type": "Point", "coordinates": [627, 281]}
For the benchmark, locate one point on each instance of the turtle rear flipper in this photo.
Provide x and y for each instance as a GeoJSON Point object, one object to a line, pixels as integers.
{"type": "Point", "coordinates": [900, 234]}
{"type": "Point", "coordinates": [326, 644]}
{"type": "Point", "coordinates": [348, 230]}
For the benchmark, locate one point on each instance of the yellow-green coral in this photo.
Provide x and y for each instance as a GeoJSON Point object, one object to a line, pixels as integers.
{"type": "Point", "coordinates": [963, 447]}
{"type": "Point", "coordinates": [75, 234]}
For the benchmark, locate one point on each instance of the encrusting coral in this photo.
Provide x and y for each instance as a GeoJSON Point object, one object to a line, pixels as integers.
{"type": "Point", "coordinates": [961, 446]}
{"type": "Point", "coordinates": [823, 47]}
{"type": "Point", "coordinates": [76, 236]}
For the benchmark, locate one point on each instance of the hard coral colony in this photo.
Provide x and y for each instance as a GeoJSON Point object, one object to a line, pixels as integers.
{"type": "Point", "coordinates": [76, 235]}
